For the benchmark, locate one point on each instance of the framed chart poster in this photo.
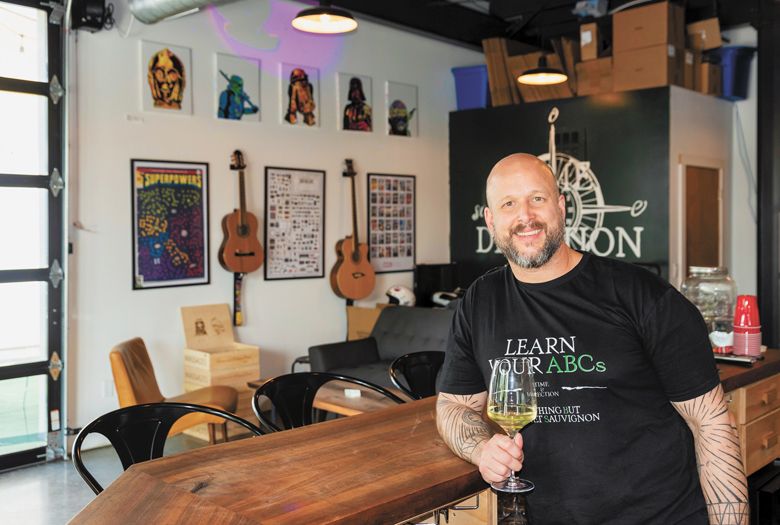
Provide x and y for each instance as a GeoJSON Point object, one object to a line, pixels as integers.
{"type": "Point", "coordinates": [294, 223]}
{"type": "Point", "coordinates": [391, 222]}
{"type": "Point", "coordinates": [170, 223]}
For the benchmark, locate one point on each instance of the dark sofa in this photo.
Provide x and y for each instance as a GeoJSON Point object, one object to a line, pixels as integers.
{"type": "Point", "coordinates": [399, 330]}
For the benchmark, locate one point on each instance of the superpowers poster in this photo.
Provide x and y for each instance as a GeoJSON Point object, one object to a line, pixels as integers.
{"type": "Point", "coordinates": [170, 223]}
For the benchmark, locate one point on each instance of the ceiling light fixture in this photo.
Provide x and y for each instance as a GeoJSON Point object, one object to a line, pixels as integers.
{"type": "Point", "coordinates": [325, 19]}
{"type": "Point", "coordinates": [543, 75]}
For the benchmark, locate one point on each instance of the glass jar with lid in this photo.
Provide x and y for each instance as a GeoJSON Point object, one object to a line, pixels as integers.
{"type": "Point", "coordinates": [714, 293]}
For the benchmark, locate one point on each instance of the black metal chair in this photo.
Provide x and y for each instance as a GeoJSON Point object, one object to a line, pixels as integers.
{"type": "Point", "coordinates": [292, 397]}
{"type": "Point", "coordinates": [415, 373]}
{"type": "Point", "coordinates": [138, 432]}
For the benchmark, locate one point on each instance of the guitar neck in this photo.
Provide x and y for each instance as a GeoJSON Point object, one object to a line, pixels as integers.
{"type": "Point", "coordinates": [242, 198]}
{"type": "Point", "coordinates": [354, 216]}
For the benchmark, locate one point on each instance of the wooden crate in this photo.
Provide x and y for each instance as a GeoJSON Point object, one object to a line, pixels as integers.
{"type": "Point", "coordinates": [214, 357]}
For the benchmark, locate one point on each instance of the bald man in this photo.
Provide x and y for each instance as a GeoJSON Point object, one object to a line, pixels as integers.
{"type": "Point", "coordinates": [631, 427]}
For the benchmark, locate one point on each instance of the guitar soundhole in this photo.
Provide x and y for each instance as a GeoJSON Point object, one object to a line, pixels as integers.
{"type": "Point", "coordinates": [243, 231]}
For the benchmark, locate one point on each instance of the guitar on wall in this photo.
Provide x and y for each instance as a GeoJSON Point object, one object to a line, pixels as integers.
{"type": "Point", "coordinates": [240, 251]}
{"type": "Point", "coordinates": [352, 277]}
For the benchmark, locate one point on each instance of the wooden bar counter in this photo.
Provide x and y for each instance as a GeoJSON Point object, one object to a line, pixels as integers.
{"type": "Point", "coordinates": [379, 467]}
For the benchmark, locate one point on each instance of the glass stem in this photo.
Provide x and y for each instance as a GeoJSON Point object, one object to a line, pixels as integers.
{"type": "Point", "coordinates": [513, 479]}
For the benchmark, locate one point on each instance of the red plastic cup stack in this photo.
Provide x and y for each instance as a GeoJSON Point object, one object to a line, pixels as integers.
{"type": "Point", "coordinates": [747, 326]}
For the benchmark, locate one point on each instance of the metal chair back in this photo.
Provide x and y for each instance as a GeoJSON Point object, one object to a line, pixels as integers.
{"type": "Point", "coordinates": [415, 373]}
{"type": "Point", "coordinates": [292, 397]}
{"type": "Point", "coordinates": [138, 433]}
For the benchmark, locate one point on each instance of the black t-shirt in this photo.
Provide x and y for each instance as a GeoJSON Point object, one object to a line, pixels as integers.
{"type": "Point", "coordinates": [611, 345]}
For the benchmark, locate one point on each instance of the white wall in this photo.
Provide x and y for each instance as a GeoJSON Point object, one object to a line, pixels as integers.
{"type": "Point", "coordinates": [282, 317]}
{"type": "Point", "coordinates": [699, 135]}
{"type": "Point", "coordinates": [742, 192]}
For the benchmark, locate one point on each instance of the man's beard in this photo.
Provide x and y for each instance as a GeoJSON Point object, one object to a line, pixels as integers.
{"type": "Point", "coordinates": [553, 241]}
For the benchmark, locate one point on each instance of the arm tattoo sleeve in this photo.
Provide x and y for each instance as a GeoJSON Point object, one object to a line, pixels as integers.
{"type": "Point", "coordinates": [720, 466]}
{"type": "Point", "coordinates": [460, 423]}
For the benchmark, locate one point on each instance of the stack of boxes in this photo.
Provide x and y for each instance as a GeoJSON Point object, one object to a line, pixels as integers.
{"type": "Point", "coordinates": [648, 46]}
{"type": "Point", "coordinates": [594, 73]}
{"type": "Point", "coordinates": [648, 50]}
{"type": "Point", "coordinates": [214, 357]}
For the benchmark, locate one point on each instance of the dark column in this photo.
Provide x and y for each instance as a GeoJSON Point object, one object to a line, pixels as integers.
{"type": "Point", "coordinates": [769, 170]}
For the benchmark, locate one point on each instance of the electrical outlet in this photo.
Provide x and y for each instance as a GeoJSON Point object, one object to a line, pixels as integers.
{"type": "Point", "coordinates": [108, 389]}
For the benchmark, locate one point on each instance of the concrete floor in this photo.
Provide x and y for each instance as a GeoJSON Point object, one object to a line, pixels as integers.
{"type": "Point", "coordinates": [52, 493]}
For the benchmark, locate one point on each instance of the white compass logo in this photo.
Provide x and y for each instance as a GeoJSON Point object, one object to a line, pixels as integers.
{"type": "Point", "coordinates": [585, 207]}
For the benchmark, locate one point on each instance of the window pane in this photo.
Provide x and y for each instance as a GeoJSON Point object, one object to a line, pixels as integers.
{"type": "Point", "coordinates": [23, 323]}
{"type": "Point", "coordinates": [23, 228]}
{"type": "Point", "coordinates": [23, 43]}
{"type": "Point", "coordinates": [24, 134]}
{"type": "Point", "coordinates": [22, 414]}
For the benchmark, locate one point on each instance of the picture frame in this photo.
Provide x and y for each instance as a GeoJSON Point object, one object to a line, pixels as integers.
{"type": "Point", "coordinates": [237, 88]}
{"type": "Point", "coordinates": [166, 78]}
{"type": "Point", "coordinates": [402, 108]}
{"type": "Point", "coordinates": [391, 222]}
{"type": "Point", "coordinates": [355, 103]}
{"type": "Point", "coordinates": [300, 95]}
{"type": "Point", "coordinates": [170, 231]}
{"type": "Point", "coordinates": [294, 226]}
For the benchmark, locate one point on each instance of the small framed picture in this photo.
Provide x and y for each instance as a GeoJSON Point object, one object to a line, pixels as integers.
{"type": "Point", "coordinates": [167, 82]}
{"type": "Point", "coordinates": [391, 228]}
{"type": "Point", "coordinates": [300, 95]}
{"type": "Point", "coordinates": [355, 102]}
{"type": "Point", "coordinates": [402, 112]}
{"type": "Point", "coordinates": [237, 88]}
{"type": "Point", "coordinates": [170, 206]}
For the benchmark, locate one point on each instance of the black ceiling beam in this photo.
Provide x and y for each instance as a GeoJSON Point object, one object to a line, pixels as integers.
{"type": "Point", "coordinates": [512, 9]}
{"type": "Point", "coordinates": [449, 21]}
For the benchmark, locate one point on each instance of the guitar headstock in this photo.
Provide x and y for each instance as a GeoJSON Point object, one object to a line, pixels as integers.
{"type": "Point", "coordinates": [237, 160]}
{"type": "Point", "coordinates": [350, 171]}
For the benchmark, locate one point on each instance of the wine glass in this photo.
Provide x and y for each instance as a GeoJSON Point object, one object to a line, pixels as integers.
{"type": "Point", "coordinates": [512, 405]}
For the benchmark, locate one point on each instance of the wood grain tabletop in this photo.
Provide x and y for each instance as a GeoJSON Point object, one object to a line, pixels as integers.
{"type": "Point", "coordinates": [380, 467]}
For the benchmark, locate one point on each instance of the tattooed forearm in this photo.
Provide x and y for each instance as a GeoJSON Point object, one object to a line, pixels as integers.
{"type": "Point", "coordinates": [460, 423]}
{"type": "Point", "coordinates": [721, 472]}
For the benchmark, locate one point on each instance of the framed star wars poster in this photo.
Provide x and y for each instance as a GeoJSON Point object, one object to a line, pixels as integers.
{"type": "Point", "coordinates": [170, 223]}
{"type": "Point", "coordinates": [402, 112]}
{"type": "Point", "coordinates": [391, 222]}
{"type": "Point", "coordinates": [300, 95]}
{"type": "Point", "coordinates": [355, 102]}
{"type": "Point", "coordinates": [237, 88]}
{"type": "Point", "coordinates": [166, 82]}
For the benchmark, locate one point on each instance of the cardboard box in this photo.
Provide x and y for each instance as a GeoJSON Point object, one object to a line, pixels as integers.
{"type": "Point", "coordinates": [360, 320]}
{"type": "Point", "coordinates": [688, 69]}
{"type": "Point", "coordinates": [594, 77]}
{"type": "Point", "coordinates": [213, 357]}
{"type": "Point", "coordinates": [646, 68]}
{"type": "Point", "coordinates": [709, 79]}
{"type": "Point", "coordinates": [648, 26]}
{"type": "Point", "coordinates": [589, 42]}
{"type": "Point", "coordinates": [704, 34]}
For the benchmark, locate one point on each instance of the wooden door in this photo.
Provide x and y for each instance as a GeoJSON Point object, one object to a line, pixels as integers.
{"type": "Point", "coordinates": [703, 217]}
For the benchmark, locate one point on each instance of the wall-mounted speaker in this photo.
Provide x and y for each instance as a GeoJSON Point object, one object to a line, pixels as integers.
{"type": "Point", "coordinates": [88, 14]}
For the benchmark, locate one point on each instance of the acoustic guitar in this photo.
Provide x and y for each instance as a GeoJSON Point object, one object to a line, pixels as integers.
{"type": "Point", "coordinates": [240, 251]}
{"type": "Point", "coordinates": [352, 277]}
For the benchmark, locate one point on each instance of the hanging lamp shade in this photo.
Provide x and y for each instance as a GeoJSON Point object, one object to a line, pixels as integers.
{"type": "Point", "coordinates": [543, 75]}
{"type": "Point", "coordinates": [326, 20]}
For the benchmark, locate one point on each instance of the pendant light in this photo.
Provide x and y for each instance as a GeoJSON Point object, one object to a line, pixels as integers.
{"type": "Point", "coordinates": [325, 19]}
{"type": "Point", "coordinates": [543, 75]}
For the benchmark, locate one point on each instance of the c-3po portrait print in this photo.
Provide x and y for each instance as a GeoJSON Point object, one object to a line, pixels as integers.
{"type": "Point", "coordinates": [166, 71]}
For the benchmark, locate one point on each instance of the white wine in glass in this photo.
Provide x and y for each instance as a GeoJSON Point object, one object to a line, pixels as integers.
{"type": "Point", "coordinates": [512, 405]}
